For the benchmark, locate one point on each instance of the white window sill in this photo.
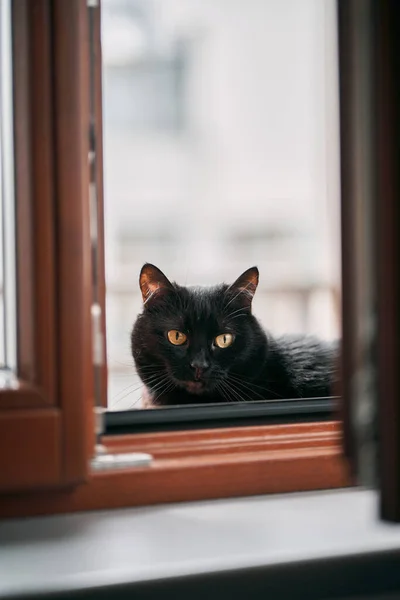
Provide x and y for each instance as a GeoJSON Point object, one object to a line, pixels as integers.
{"type": "Point", "coordinates": [134, 546]}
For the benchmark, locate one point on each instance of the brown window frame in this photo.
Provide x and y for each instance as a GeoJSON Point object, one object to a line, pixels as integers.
{"type": "Point", "coordinates": [199, 465]}
{"type": "Point", "coordinates": [43, 420]}
{"type": "Point", "coordinates": [46, 425]}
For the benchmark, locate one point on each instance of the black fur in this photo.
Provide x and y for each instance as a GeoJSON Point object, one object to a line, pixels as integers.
{"type": "Point", "coordinates": [256, 366]}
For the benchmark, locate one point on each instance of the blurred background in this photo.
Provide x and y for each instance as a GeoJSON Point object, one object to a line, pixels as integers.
{"type": "Point", "coordinates": [220, 152]}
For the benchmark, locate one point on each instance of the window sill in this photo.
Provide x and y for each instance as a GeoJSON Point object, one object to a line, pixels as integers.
{"type": "Point", "coordinates": [243, 546]}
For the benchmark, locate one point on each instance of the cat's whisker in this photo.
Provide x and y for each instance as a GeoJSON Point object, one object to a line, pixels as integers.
{"type": "Point", "coordinates": [246, 387]}
{"type": "Point", "coordinates": [115, 401]}
{"type": "Point", "coordinates": [249, 387]}
{"type": "Point", "coordinates": [119, 362]}
{"type": "Point", "coordinates": [124, 391]}
{"type": "Point", "coordinates": [125, 396]}
{"type": "Point", "coordinates": [243, 388]}
{"type": "Point", "coordinates": [158, 384]}
{"type": "Point", "coordinates": [229, 388]}
{"type": "Point", "coordinates": [155, 368]}
{"type": "Point", "coordinates": [154, 389]}
{"type": "Point", "coordinates": [135, 403]}
{"type": "Point", "coordinates": [245, 381]}
{"type": "Point", "coordinates": [221, 390]}
{"type": "Point", "coordinates": [240, 392]}
{"type": "Point", "coordinates": [168, 387]}
{"type": "Point", "coordinates": [254, 385]}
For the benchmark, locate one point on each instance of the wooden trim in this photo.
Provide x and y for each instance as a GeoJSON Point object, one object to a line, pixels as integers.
{"type": "Point", "coordinates": [42, 157]}
{"type": "Point", "coordinates": [71, 93]}
{"type": "Point", "coordinates": [26, 358]}
{"type": "Point", "coordinates": [37, 461]}
{"type": "Point", "coordinates": [203, 465]}
{"type": "Point", "coordinates": [100, 190]}
{"type": "Point", "coordinates": [22, 395]}
{"type": "Point", "coordinates": [46, 444]}
{"type": "Point", "coordinates": [231, 440]}
{"type": "Point", "coordinates": [36, 295]}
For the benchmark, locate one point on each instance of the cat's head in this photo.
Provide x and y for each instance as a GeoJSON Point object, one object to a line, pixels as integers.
{"type": "Point", "coordinates": [194, 339]}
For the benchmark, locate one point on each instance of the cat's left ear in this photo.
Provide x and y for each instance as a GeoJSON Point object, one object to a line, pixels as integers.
{"type": "Point", "coordinates": [153, 283]}
{"type": "Point", "coordinates": [246, 285]}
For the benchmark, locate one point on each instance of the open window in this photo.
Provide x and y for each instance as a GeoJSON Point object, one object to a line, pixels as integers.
{"type": "Point", "coordinates": [59, 449]}
{"type": "Point", "coordinates": [236, 113]}
{"type": "Point", "coordinates": [47, 386]}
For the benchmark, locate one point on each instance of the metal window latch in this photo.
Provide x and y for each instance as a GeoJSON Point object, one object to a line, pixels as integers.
{"type": "Point", "coordinates": [105, 461]}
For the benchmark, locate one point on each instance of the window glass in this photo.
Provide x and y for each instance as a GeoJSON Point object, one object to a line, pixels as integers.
{"type": "Point", "coordinates": [220, 152]}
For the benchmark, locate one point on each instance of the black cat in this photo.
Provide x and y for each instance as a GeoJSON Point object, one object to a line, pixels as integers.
{"type": "Point", "coordinates": [201, 345]}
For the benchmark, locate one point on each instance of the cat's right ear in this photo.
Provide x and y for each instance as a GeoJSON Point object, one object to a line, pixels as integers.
{"type": "Point", "coordinates": [153, 283]}
{"type": "Point", "coordinates": [245, 286]}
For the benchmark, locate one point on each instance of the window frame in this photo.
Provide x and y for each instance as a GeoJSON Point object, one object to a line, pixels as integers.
{"type": "Point", "coordinates": [387, 267]}
{"type": "Point", "coordinates": [43, 416]}
{"type": "Point", "coordinates": [51, 434]}
{"type": "Point", "coordinates": [370, 82]}
{"type": "Point", "coordinates": [200, 465]}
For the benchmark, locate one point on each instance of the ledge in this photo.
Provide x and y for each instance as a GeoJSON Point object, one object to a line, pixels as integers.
{"type": "Point", "coordinates": [244, 544]}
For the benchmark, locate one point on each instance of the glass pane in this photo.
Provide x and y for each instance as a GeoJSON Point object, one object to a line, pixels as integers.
{"type": "Point", "coordinates": [8, 350]}
{"type": "Point", "coordinates": [220, 152]}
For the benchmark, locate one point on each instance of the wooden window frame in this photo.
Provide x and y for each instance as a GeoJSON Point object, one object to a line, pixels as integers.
{"type": "Point", "coordinates": [206, 464]}
{"type": "Point", "coordinates": [46, 424]}
{"type": "Point", "coordinates": [43, 417]}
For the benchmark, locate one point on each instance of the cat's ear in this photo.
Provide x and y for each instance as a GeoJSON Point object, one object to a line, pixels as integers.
{"type": "Point", "coordinates": [153, 283]}
{"type": "Point", "coordinates": [245, 286]}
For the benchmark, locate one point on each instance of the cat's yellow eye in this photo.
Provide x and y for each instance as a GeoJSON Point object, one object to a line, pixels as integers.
{"type": "Point", "coordinates": [177, 338]}
{"type": "Point", "coordinates": [224, 340]}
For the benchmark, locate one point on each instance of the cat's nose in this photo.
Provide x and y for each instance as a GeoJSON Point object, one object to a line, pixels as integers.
{"type": "Point", "coordinates": [199, 367]}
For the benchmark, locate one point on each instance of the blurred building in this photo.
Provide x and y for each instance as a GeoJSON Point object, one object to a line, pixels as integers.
{"type": "Point", "coordinates": [221, 151]}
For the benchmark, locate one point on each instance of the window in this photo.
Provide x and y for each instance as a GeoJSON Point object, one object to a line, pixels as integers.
{"type": "Point", "coordinates": [250, 177]}
{"type": "Point", "coordinates": [47, 432]}
{"type": "Point", "coordinates": [43, 410]}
